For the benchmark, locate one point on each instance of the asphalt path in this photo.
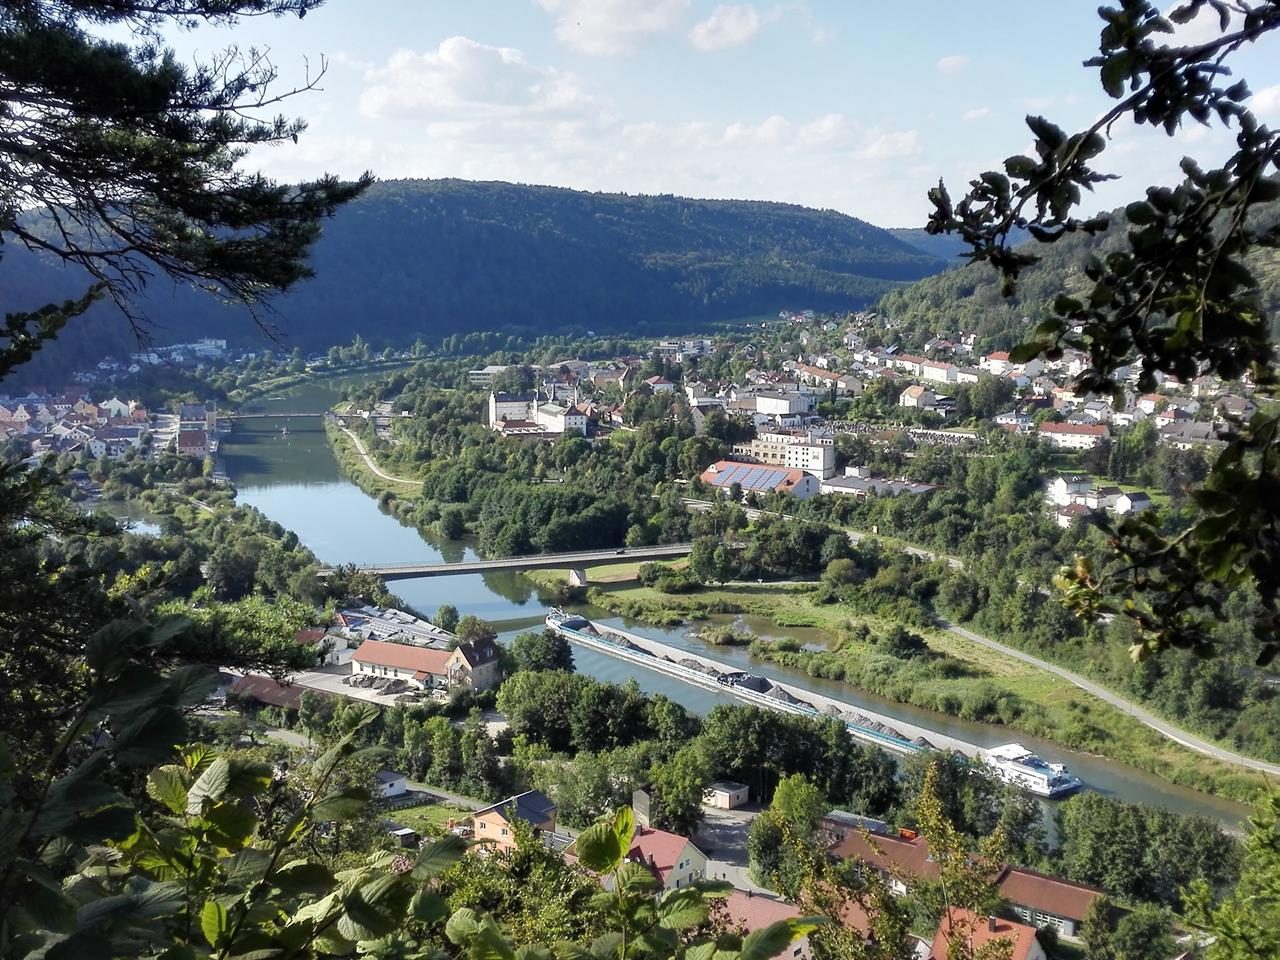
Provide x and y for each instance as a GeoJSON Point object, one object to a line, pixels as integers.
{"type": "Point", "coordinates": [1162, 727]}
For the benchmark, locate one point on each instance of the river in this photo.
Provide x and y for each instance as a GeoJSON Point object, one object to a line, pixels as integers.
{"type": "Point", "coordinates": [295, 480]}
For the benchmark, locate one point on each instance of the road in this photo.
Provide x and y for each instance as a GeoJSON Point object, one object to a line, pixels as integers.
{"type": "Point", "coordinates": [1176, 734]}
{"type": "Point", "coordinates": [368, 462]}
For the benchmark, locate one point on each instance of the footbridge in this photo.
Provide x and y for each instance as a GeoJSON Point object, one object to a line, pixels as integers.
{"type": "Point", "coordinates": [576, 563]}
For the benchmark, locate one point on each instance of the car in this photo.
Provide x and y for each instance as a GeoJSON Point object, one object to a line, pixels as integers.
{"type": "Point", "coordinates": [620, 551]}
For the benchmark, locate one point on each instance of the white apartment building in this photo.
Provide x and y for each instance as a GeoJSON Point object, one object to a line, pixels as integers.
{"type": "Point", "coordinates": [794, 451]}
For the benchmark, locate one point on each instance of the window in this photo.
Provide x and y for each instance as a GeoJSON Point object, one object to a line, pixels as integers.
{"type": "Point", "coordinates": [504, 831]}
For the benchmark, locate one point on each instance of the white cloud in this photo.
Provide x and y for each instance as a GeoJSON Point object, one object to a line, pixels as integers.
{"type": "Point", "coordinates": [462, 76]}
{"type": "Point", "coordinates": [605, 27]}
{"type": "Point", "coordinates": [953, 63]}
{"type": "Point", "coordinates": [1201, 28]}
{"type": "Point", "coordinates": [889, 145]}
{"type": "Point", "coordinates": [1266, 103]}
{"type": "Point", "coordinates": [772, 132]}
{"type": "Point", "coordinates": [729, 25]}
{"type": "Point", "coordinates": [977, 113]}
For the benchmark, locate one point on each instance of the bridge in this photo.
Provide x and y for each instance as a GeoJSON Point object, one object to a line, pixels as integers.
{"type": "Point", "coordinates": [267, 416]}
{"type": "Point", "coordinates": [576, 563]}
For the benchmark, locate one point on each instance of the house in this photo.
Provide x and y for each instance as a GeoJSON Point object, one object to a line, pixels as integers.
{"type": "Point", "coordinates": [858, 482]}
{"type": "Point", "coordinates": [997, 363]}
{"type": "Point", "coordinates": [791, 451]}
{"type": "Point", "coordinates": [1067, 488]}
{"type": "Point", "coordinates": [484, 376]}
{"type": "Point", "coordinates": [494, 823]}
{"type": "Point", "coordinates": [725, 474]}
{"type": "Point", "coordinates": [966, 927]}
{"type": "Point", "coordinates": [918, 397]}
{"type": "Point", "coordinates": [726, 795]}
{"type": "Point", "coordinates": [747, 912]}
{"type": "Point", "coordinates": [193, 443]}
{"type": "Point", "coordinates": [510, 406]}
{"type": "Point", "coordinates": [1134, 502]}
{"type": "Point", "coordinates": [1074, 436]}
{"type": "Point", "coordinates": [424, 666]}
{"type": "Point", "coordinates": [116, 408]}
{"type": "Point", "coordinates": [1102, 498]}
{"type": "Point", "coordinates": [660, 385]}
{"type": "Point", "coordinates": [553, 418]}
{"type": "Point", "coordinates": [1070, 514]}
{"type": "Point", "coordinates": [1044, 901]}
{"type": "Point", "coordinates": [899, 858]}
{"type": "Point", "coordinates": [939, 372]}
{"type": "Point", "coordinates": [475, 665]}
{"type": "Point", "coordinates": [671, 858]}
{"type": "Point", "coordinates": [390, 783]}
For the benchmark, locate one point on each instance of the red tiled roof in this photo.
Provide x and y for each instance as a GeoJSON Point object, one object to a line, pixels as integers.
{"type": "Point", "coordinates": [1047, 894]}
{"type": "Point", "coordinates": [402, 656]}
{"type": "Point", "coordinates": [977, 931]}
{"type": "Point", "coordinates": [1082, 429]}
{"type": "Point", "coordinates": [896, 855]}
{"type": "Point", "coordinates": [998, 355]}
{"type": "Point", "coordinates": [753, 913]}
{"type": "Point", "coordinates": [657, 849]}
{"type": "Point", "coordinates": [265, 690]}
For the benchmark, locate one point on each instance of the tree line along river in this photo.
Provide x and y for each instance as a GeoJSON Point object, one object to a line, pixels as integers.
{"type": "Point", "coordinates": [295, 480]}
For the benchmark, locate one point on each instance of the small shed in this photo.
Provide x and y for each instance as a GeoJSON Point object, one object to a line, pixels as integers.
{"type": "Point", "coordinates": [390, 784]}
{"type": "Point", "coordinates": [726, 795]}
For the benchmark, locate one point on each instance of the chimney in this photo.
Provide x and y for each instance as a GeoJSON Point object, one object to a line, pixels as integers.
{"type": "Point", "coordinates": [991, 924]}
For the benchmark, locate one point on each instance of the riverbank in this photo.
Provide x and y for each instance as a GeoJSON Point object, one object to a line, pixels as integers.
{"type": "Point", "coordinates": [290, 381]}
{"type": "Point", "coordinates": [359, 466]}
{"type": "Point", "coordinates": [954, 677]}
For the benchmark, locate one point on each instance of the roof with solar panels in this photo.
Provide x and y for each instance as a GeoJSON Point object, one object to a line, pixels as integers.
{"type": "Point", "coordinates": [751, 476]}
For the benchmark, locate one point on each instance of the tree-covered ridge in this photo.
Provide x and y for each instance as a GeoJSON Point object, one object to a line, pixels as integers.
{"type": "Point", "coordinates": [435, 257]}
{"type": "Point", "coordinates": [969, 298]}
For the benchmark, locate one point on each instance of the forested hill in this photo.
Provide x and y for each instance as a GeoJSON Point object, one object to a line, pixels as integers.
{"type": "Point", "coordinates": [967, 298]}
{"type": "Point", "coordinates": [434, 257]}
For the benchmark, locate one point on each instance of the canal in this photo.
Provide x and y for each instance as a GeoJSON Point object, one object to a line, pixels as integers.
{"type": "Point", "coordinates": [295, 480]}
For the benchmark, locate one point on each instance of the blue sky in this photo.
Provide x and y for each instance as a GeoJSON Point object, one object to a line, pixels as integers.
{"type": "Point", "coordinates": [852, 105]}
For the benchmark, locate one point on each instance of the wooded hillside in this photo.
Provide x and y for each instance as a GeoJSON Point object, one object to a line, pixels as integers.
{"type": "Point", "coordinates": [433, 257]}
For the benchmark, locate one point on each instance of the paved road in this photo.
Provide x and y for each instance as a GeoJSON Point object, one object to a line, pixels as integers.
{"type": "Point", "coordinates": [1176, 734]}
{"type": "Point", "coordinates": [368, 462]}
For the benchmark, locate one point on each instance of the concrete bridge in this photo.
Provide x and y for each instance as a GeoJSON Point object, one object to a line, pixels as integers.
{"type": "Point", "coordinates": [576, 563]}
{"type": "Point", "coordinates": [268, 416]}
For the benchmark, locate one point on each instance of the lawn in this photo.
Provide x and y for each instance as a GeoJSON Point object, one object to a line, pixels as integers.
{"type": "Point", "coordinates": [430, 819]}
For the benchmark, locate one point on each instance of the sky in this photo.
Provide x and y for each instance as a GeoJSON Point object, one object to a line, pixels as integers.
{"type": "Point", "coordinates": [842, 104]}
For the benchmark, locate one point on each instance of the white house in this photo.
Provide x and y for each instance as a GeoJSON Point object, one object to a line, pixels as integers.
{"type": "Point", "coordinates": [554, 418]}
{"type": "Point", "coordinates": [996, 363]}
{"type": "Point", "coordinates": [1134, 502]}
{"type": "Point", "coordinates": [673, 860]}
{"type": "Point", "coordinates": [421, 666]}
{"type": "Point", "coordinates": [510, 406]}
{"type": "Point", "coordinates": [1067, 488]}
{"type": "Point", "coordinates": [660, 385]}
{"type": "Point", "coordinates": [918, 397]}
{"type": "Point", "coordinates": [390, 783]}
{"type": "Point", "coordinates": [1074, 436]}
{"type": "Point", "coordinates": [726, 795]}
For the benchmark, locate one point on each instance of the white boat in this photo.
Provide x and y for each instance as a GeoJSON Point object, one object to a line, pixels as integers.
{"type": "Point", "coordinates": [1013, 763]}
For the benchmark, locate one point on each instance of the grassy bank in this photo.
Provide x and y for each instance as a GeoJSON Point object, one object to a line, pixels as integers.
{"type": "Point", "coordinates": [954, 677]}
{"type": "Point", "coordinates": [353, 465]}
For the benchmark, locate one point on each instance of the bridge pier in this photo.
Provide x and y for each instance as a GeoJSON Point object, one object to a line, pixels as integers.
{"type": "Point", "coordinates": [577, 576]}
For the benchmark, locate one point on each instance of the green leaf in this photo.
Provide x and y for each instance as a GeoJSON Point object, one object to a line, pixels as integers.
{"type": "Point", "coordinates": [682, 909]}
{"type": "Point", "coordinates": [438, 856]}
{"type": "Point", "coordinates": [532, 952]}
{"type": "Point", "coordinates": [249, 779]}
{"type": "Point", "coordinates": [428, 908]}
{"type": "Point", "coordinates": [598, 848]}
{"type": "Point", "coordinates": [210, 785]}
{"type": "Point", "coordinates": [232, 825]}
{"type": "Point", "coordinates": [770, 941]}
{"type": "Point", "coordinates": [462, 926]}
{"type": "Point", "coordinates": [624, 827]}
{"type": "Point", "coordinates": [214, 922]}
{"type": "Point", "coordinates": [567, 950]}
{"type": "Point", "coordinates": [167, 786]}
{"type": "Point", "coordinates": [190, 685]}
{"type": "Point", "coordinates": [302, 876]}
{"type": "Point", "coordinates": [342, 804]}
